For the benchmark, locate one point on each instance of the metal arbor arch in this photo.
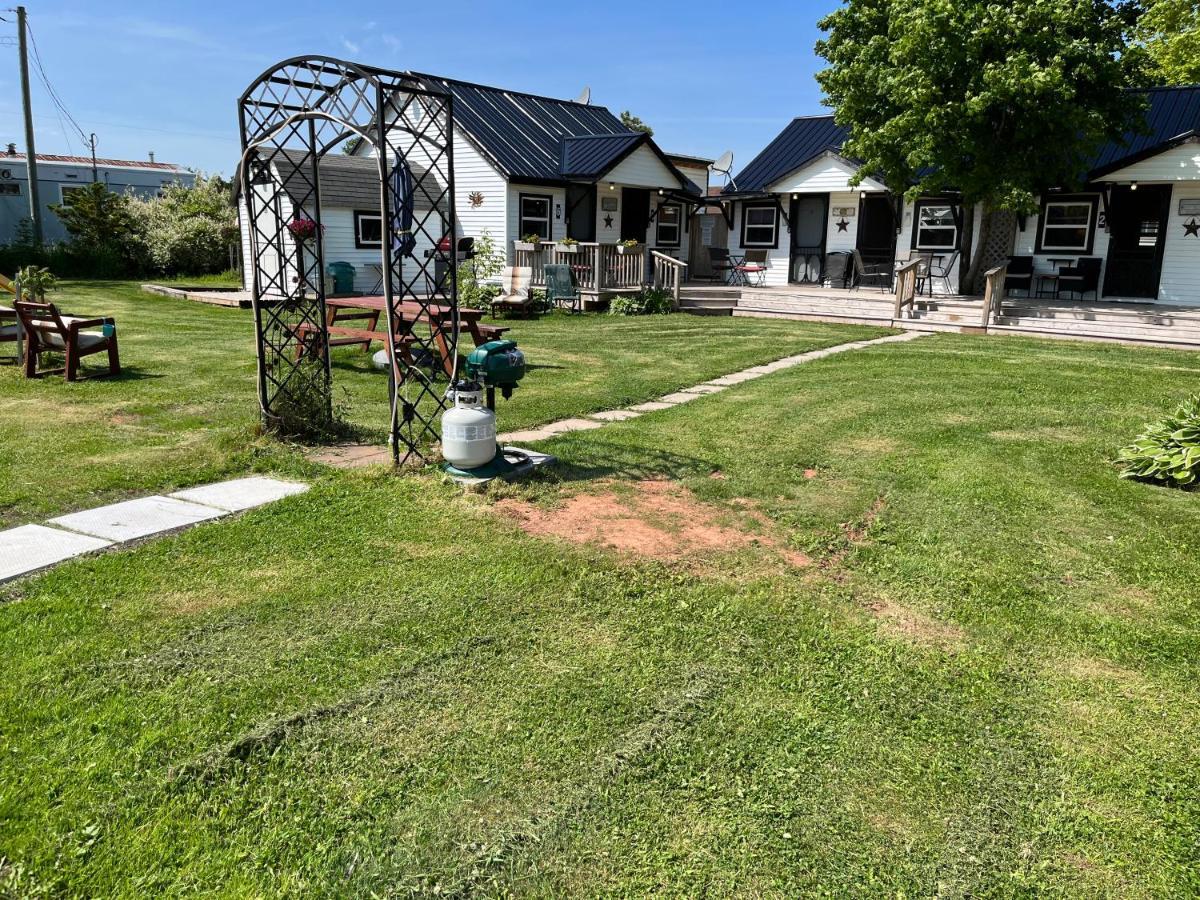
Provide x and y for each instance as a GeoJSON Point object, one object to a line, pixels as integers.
{"type": "Point", "coordinates": [290, 117]}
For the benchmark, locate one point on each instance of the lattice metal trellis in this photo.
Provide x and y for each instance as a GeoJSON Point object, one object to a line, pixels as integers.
{"type": "Point", "coordinates": [291, 117]}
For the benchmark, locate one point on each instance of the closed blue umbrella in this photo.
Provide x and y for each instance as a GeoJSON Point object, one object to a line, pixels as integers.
{"type": "Point", "coordinates": [403, 241]}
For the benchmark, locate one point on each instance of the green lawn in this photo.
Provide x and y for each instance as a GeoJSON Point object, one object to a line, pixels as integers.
{"type": "Point", "coordinates": [984, 684]}
{"type": "Point", "coordinates": [185, 411]}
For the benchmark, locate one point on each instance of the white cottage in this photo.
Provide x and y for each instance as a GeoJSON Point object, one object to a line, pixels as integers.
{"type": "Point", "coordinates": [1136, 223]}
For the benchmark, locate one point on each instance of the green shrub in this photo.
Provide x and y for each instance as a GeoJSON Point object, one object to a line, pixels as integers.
{"type": "Point", "coordinates": [650, 302]}
{"type": "Point", "coordinates": [472, 273]}
{"type": "Point", "coordinates": [1167, 452]}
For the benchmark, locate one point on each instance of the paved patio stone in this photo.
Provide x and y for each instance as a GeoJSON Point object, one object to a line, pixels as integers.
{"type": "Point", "coordinates": [652, 406]}
{"type": "Point", "coordinates": [241, 493]}
{"type": "Point", "coordinates": [736, 378]}
{"type": "Point", "coordinates": [28, 548]}
{"type": "Point", "coordinates": [679, 397]}
{"type": "Point", "coordinates": [615, 415]}
{"type": "Point", "coordinates": [134, 519]}
{"type": "Point", "coordinates": [704, 389]}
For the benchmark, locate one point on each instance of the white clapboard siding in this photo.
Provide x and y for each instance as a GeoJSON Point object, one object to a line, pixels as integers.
{"type": "Point", "coordinates": [1180, 163]}
{"type": "Point", "coordinates": [1180, 282]}
{"type": "Point", "coordinates": [778, 258]}
{"type": "Point", "coordinates": [642, 168]}
{"type": "Point", "coordinates": [835, 238]}
{"type": "Point", "coordinates": [558, 205]}
{"type": "Point", "coordinates": [474, 175]}
{"type": "Point", "coordinates": [824, 174]}
{"type": "Point", "coordinates": [904, 245]}
{"type": "Point", "coordinates": [697, 174]}
{"type": "Point", "coordinates": [1026, 245]}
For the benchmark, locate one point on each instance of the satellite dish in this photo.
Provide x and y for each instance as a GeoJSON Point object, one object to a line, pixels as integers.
{"type": "Point", "coordinates": [724, 165]}
{"type": "Point", "coordinates": [586, 96]}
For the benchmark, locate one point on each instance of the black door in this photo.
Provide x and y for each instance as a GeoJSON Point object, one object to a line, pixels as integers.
{"type": "Point", "coordinates": [581, 212]}
{"type": "Point", "coordinates": [808, 216]}
{"type": "Point", "coordinates": [635, 214]}
{"type": "Point", "coordinates": [876, 230]}
{"type": "Point", "coordinates": [1137, 223]}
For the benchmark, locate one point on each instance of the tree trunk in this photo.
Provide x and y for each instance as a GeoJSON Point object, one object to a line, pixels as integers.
{"type": "Point", "coordinates": [978, 247]}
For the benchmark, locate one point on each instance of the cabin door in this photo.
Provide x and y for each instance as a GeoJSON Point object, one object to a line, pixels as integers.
{"type": "Point", "coordinates": [808, 215]}
{"type": "Point", "coordinates": [876, 240]}
{"type": "Point", "coordinates": [581, 212]}
{"type": "Point", "coordinates": [1137, 223]}
{"type": "Point", "coordinates": [635, 214]}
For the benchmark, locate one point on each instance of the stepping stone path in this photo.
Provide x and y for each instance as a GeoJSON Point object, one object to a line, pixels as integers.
{"type": "Point", "coordinates": [29, 548]}
{"type": "Point", "coordinates": [596, 420]}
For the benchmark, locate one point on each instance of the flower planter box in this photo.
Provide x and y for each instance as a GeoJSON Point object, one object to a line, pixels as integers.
{"type": "Point", "coordinates": [567, 248]}
{"type": "Point", "coordinates": [623, 249]}
{"type": "Point", "coordinates": [527, 246]}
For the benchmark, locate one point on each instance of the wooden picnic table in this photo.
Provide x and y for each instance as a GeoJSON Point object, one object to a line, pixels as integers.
{"type": "Point", "coordinates": [438, 316]}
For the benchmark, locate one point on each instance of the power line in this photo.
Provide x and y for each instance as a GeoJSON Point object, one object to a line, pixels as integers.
{"type": "Point", "coordinates": [55, 99]}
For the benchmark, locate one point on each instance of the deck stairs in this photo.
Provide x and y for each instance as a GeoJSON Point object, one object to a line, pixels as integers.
{"type": "Point", "coordinates": [1154, 324]}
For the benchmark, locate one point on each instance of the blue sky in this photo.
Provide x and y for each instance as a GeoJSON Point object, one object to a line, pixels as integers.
{"type": "Point", "coordinates": [165, 76]}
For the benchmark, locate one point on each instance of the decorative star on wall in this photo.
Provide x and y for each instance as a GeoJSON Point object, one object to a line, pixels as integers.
{"type": "Point", "coordinates": [608, 220]}
{"type": "Point", "coordinates": [843, 225]}
{"type": "Point", "coordinates": [1192, 228]}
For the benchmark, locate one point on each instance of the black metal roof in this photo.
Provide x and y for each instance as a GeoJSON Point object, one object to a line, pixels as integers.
{"type": "Point", "coordinates": [1172, 115]}
{"type": "Point", "coordinates": [349, 182]}
{"type": "Point", "coordinates": [591, 155]}
{"type": "Point", "coordinates": [802, 140]}
{"type": "Point", "coordinates": [520, 134]}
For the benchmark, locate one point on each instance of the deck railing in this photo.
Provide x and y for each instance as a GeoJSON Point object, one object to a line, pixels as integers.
{"type": "Point", "coordinates": [993, 293]}
{"type": "Point", "coordinates": [668, 274]}
{"type": "Point", "coordinates": [906, 287]}
{"type": "Point", "coordinates": [598, 268]}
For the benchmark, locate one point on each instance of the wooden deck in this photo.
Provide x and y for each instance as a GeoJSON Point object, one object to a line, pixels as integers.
{"type": "Point", "coordinates": [1141, 323]}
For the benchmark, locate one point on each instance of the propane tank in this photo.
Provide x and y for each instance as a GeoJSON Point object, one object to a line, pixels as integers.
{"type": "Point", "coordinates": [468, 428]}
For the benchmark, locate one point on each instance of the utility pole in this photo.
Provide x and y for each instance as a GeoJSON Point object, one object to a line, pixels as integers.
{"type": "Point", "coordinates": [35, 203]}
{"type": "Point", "coordinates": [95, 177]}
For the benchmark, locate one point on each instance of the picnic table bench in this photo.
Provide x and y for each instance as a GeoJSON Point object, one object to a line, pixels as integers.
{"type": "Point", "coordinates": [368, 311]}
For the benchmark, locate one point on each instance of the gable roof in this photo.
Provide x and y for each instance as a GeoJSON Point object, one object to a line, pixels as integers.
{"type": "Point", "coordinates": [804, 139]}
{"type": "Point", "coordinates": [350, 182]}
{"type": "Point", "coordinates": [532, 138]}
{"type": "Point", "coordinates": [1172, 116]}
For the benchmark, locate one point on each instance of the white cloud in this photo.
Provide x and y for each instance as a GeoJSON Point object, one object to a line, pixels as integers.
{"type": "Point", "coordinates": [350, 45]}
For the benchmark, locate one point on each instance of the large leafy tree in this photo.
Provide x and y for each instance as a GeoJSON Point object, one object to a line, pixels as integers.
{"type": "Point", "coordinates": [1168, 35]}
{"type": "Point", "coordinates": [96, 218]}
{"type": "Point", "coordinates": [1000, 101]}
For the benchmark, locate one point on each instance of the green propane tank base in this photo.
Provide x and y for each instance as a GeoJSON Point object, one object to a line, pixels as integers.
{"type": "Point", "coordinates": [509, 463]}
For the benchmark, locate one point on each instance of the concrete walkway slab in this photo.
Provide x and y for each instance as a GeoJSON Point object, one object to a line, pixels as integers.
{"type": "Point", "coordinates": [704, 389]}
{"type": "Point", "coordinates": [615, 415]}
{"type": "Point", "coordinates": [241, 493]}
{"type": "Point", "coordinates": [652, 406]}
{"type": "Point", "coordinates": [28, 548]}
{"type": "Point", "coordinates": [678, 397]}
{"type": "Point", "coordinates": [134, 519]}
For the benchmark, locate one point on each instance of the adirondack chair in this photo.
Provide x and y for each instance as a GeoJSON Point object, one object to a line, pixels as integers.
{"type": "Point", "coordinates": [48, 331]}
{"type": "Point", "coordinates": [516, 294]}
{"type": "Point", "coordinates": [561, 289]}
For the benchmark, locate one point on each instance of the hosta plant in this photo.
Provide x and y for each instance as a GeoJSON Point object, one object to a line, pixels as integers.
{"type": "Point", "coordinates": [1167, 452]}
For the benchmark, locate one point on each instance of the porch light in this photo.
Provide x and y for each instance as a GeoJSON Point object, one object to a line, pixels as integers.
{"type": "Point", "coordinates": [1133, 185]}
{"type": "Point", "coordinates": [795, 196]}
{"type": "Point", "coordinates": [661, 192]}
{"type": "Point", "coordinates": [611, 186]}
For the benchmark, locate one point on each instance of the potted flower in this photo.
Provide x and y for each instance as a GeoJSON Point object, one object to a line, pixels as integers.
{"type": "Point", "coordinates": [531, 242]}
{"type": "Point", "coordinates": [304, 228]}
{"type": "Point", "coordinates": [629, 246]}
{"type": "Point", "coordinates": [568, 245]}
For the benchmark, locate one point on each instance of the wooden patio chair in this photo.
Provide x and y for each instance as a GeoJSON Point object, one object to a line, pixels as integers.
{"type": "Point", "coordinates": [48, 331]}
{"type": "Point", "coordinates": [516, 293]}
{"type": "Point", "coordinates": [882, 272]}
{"type": "Point", "coordinates": [10, 331]}
{"type": "Point", "coordinates": [561, 289]}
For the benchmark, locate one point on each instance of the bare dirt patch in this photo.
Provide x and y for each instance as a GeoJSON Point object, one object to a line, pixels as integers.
{"type": "Point", "coordinates": [657, 519]}
{"type": "Point", "coordinates": [919, 628]}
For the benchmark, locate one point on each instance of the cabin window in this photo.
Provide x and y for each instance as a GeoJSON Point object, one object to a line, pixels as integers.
{"type": "Point", "coordinates": [368, 230]}
{"type": "Point", "coordinates": [1068, 223]}
{"type": "Point", "coordinates": [535, 216]}
{"type": "Point", "coordinates": [669, 217]}
{"type": "Point", "coordinates": [760, 225]}
{"type": "Point", "coordinates": [10, 187]}
{"type": "Point", "coordinates": [935, 226]}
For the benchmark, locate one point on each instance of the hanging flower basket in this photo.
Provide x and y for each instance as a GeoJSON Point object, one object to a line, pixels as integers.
{"type": "Point", "coordinates": [304, 229]}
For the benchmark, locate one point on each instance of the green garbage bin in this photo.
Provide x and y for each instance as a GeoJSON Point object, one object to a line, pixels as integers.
{"type": "Point", "coordinates": [342, 274]}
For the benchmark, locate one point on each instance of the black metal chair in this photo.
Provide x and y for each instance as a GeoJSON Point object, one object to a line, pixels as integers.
{"type": "Point", "coordinates": [943, 272]}
{"type": "Point", "coordinates": [721, 263]}
{"type": "Point", "coordinates": [1082, 278]}
{"type": "Point", "coordinates": [1020, 275]}
{"type": "Point", "coordinates": [881, 272]}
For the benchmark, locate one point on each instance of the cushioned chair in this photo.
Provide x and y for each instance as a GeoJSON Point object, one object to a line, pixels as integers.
{"type": "Point", "coordinates": [516, 293]}
{"type": "Point", "coordinates": [1082, 278]}
{"type": "Point", "coordinates": [752, 271]}
{"type": "Point", "coordinates": [561, 289]}
{"type": "Point", "coordinates": [1020, 274]}
{"type": "Point", "coordinates": [10, 331]}
{"type": "Point", "coordinates": [48, 331]}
